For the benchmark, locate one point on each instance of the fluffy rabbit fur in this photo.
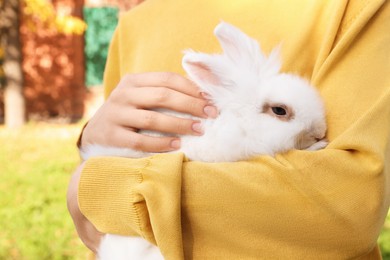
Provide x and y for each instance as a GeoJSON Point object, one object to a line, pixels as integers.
{"type": "Point", "coordinates": [261, 111]}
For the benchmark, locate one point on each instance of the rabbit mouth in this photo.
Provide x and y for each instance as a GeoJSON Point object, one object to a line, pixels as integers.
{"type": "Point", "coordinates": [306, 141]}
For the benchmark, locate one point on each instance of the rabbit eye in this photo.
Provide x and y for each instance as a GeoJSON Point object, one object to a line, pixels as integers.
{"type": "Point", "coordinates": [279, 111]}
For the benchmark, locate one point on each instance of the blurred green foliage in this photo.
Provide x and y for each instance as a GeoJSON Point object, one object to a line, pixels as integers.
{"type": "Point", "coordinates": [101, 25]}
{"type": "Point", "coordinates": [35, 167]}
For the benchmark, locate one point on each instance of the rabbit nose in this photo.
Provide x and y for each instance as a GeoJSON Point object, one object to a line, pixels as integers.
{"type": "Point", "coordinates": [319, 138]}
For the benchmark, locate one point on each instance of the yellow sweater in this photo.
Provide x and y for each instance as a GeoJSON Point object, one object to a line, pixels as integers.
{"type": "Point", "coordinates": [328, 204]}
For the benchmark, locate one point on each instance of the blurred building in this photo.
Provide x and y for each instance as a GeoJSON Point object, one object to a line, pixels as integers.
{"type": "Point", "coordinates": [53, 66]}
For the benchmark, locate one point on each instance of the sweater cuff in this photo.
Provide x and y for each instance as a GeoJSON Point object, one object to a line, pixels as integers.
{"type": "Point", "coordinates": [106, 196]}
{"type": "Point", "coordinates": [125, 196]}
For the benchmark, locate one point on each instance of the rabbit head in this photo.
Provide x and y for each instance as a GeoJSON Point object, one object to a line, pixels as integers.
{"type": "Point", "coordinates": [275, 110]}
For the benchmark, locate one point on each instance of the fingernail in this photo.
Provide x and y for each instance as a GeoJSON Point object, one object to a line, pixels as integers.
{"type": "Point", "coordinates": [175, 144]}
{"type": "Point", "coordinates": [210, 111]}
{"type": "Point", "coordinates": [197, 127]}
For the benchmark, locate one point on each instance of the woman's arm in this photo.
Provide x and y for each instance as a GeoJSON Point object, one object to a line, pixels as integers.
{"type": "Point", "coordinates": [87, 232]}
{"type": "Point", "coordinates": [125, 111]}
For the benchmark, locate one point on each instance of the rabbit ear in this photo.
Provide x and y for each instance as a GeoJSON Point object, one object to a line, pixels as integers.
{"type": "Point", "coordinates": [237, 46]}
{"type": "Point", "coordinates": [245, 51]}
{"type": "Point", "coordinates": [205, 70]}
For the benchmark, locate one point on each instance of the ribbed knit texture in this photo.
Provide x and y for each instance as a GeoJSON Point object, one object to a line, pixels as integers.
{"type": "Point", "coordinates": [328, 204]}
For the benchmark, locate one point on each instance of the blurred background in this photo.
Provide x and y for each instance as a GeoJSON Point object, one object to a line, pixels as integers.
{"type": "Point", "coordinates": [52, 57]}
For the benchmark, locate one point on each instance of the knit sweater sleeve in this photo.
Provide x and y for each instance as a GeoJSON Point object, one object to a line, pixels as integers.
{"type": "Point", "coordinates": [125, 197]}
{"type": "Point", "coordinates": [328, 204]}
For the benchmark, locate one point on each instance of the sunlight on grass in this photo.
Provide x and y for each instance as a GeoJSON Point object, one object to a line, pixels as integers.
{"type": "Point", "coordinates": [35, 166]}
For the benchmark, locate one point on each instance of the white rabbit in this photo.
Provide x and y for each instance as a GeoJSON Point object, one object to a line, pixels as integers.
{"type": "Point", "coordinates": [261, 111]}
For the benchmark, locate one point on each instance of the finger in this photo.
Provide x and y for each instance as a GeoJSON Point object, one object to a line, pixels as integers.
{"type": "Point", "coordinates": [145, 143]}
{"type": "Point", "coordinates": [159, 122]}
{"type": "Point", "coordinates": [164, 79]}
{"type": "Point", "coordinates": [159, 97]}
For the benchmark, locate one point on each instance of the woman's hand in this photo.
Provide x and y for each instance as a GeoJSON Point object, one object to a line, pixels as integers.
{"type": "Point", "coordinates": [129, 108]}
{"type": "Point", "coordinates": [87, 232]}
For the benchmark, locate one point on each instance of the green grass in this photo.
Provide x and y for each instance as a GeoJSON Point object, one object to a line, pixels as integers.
{"type": "Point", "coordinates": [35, 167]}
{"type": "Point", "coordinates": [384, 239]}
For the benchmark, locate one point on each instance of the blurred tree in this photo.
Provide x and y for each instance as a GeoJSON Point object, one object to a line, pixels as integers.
{"type": "Point", "coordinates": [44, 11]}
{"type": "Point", "coordinates": [10, 13]}
{"type": "Point", "coordinates": [2, 78]}
{"type": "Point", "coordinates": [14, 104]}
